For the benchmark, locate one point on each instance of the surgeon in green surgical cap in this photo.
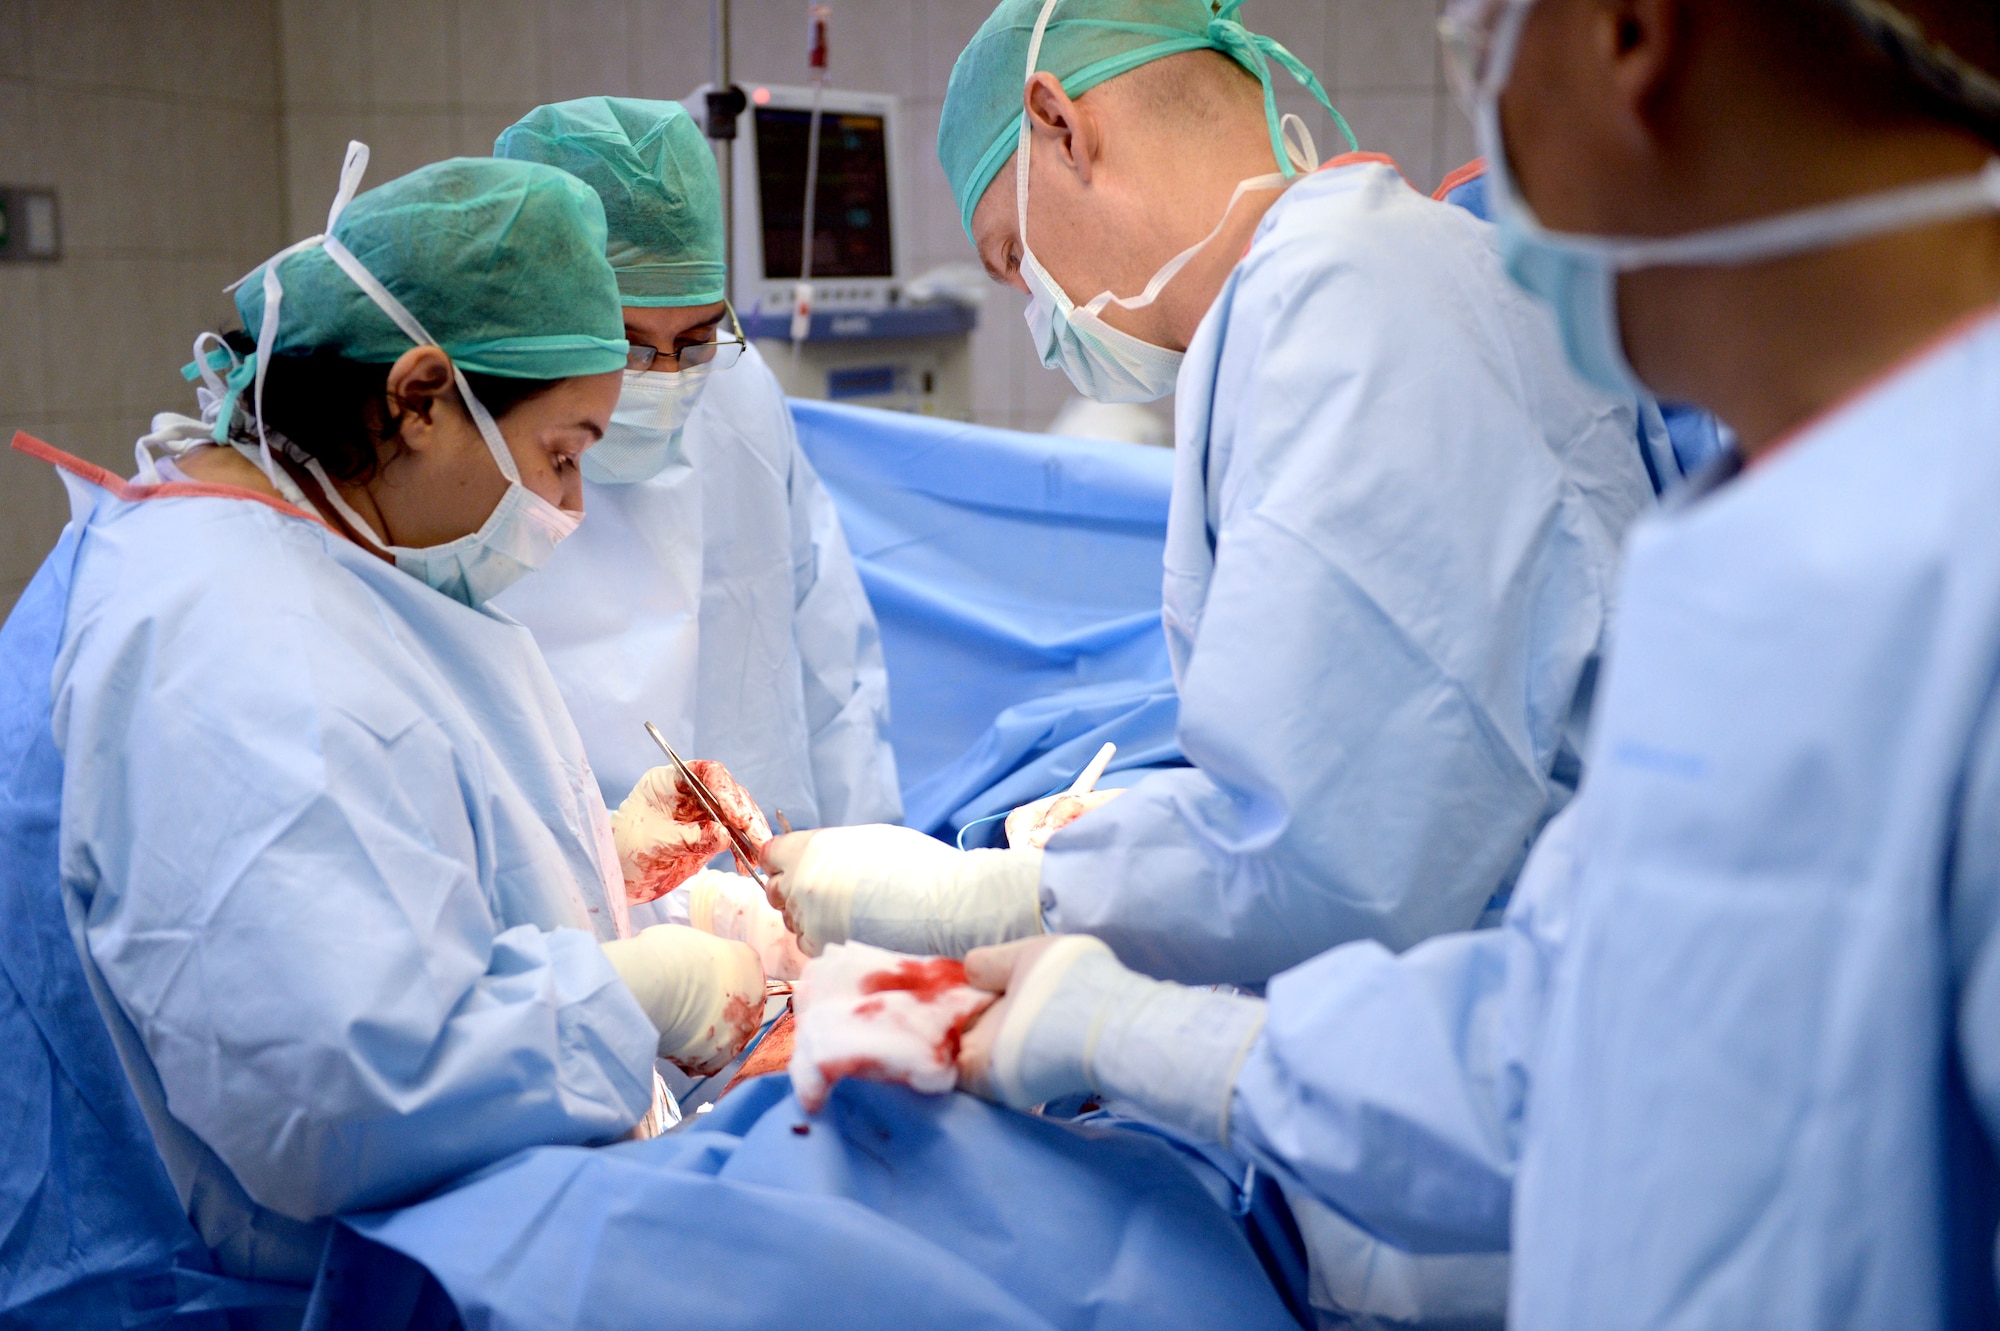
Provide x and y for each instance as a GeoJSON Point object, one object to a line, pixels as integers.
{"type": "Point", "coordinates": [311, 904]}
{"type": "Point", "coordinates": [712, 591]}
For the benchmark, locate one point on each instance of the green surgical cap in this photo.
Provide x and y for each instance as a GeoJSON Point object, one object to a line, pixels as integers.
{"type": "Point", "coordinates": [1086, 43]}
{"type": "Point", "coordinates": [650, 164]}
{"type": "Point", "coordinates": [501, 262]}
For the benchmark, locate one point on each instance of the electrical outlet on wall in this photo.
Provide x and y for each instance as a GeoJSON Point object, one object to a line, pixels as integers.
{"type": "Point", "coordinates": [29, 228]}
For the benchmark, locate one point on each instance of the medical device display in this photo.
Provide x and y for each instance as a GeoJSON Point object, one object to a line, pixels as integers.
{"type": "Point", "coordinates": [851, 232]}
{"type": "Point", "coordinates": [858, 230]}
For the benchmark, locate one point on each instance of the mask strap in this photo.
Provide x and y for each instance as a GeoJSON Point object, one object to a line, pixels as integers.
{"type": "Point", "coordinates": [1027, 135]}
{"type": "Point", "coordinates": [1506, 40]}
{"type": "Point", "coordinates": [342, 507]}
{"type": "Point", "coordinates": [1810, 228]}
{"type": "Point", "coordinates": [1255, 52]}
{"type": "Point", "coordinates": [352, 168]}
{"type": "Point", "coordinates": [1299, 145]}
{"type": "Point", "coordinates": [403, 319]}
{"type": "Point", "coordinates": [267, 339]}
{"type": "Point", "coordinates": [1181, 260]}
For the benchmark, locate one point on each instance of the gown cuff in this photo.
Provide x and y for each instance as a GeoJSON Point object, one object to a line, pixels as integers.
{"type": "Point", "coordinates": [1083, 1022]}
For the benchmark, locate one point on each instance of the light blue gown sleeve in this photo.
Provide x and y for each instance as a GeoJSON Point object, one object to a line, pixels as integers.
{"type": "Point", "coordinates": [1974, 924]}
{"type": "Point", "coordinates": [1407, 593]}
{"type": "Point", "coordinates": [840, 660]}
{"type": "Point", "coordinates": [1391, 1088]}
{"type": "Point", "coordinates": [287, 873]}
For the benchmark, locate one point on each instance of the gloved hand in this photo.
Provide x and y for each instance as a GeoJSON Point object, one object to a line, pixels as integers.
{"type": "Point", "coordinates": [899, 889]}
{"type": "Point", "coordinates": [664, 835]}
{"type": "Point", "coordinates": [705, 994]}
{"type": "Point", "coordinates": [731, 906]}
{"type": "Point", "coordinates": [1073, 1019]}
{"type": "Point", "coordinates": [1030, 826]}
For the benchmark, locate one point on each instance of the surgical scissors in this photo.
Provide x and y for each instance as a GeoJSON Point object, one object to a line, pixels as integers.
{"type": "Point", "coordinates": [746, 855]}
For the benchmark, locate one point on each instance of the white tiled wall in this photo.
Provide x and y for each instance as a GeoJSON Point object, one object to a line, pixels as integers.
{"type": "Point", "coordinates": [190, 138]}
{"type": "Point", "coordinates": [423, 78]}
{"type": "Point", "coordinates": [157, 124]}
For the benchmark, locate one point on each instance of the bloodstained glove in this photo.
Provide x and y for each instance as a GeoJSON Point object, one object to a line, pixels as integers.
{"type": "Point", "coordinates": [664, 835]}
{"type": "Point", "coordinates": [1073, 1019]}
{"type": "Point", "coordinates": [704, 994]}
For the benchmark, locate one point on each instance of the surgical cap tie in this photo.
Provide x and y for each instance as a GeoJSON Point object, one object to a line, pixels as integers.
{"type": "Point", "coordinates": [218, 394]}
{"type": "Point", "coordinates": [250, 372]}
{"type": "Point", "coordinates": [1099, 40]}
{"type": "Point", "coordinates": [1254, 51]}
{"type": "Point", "coordinates": [351, 171]}
{"type": "Point", "coordinates": [257, 364]}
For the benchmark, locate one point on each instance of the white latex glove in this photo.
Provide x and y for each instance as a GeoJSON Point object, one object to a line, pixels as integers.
{"type": "Point", "coordinates": [1030, 826]}
{"type": "Point", "coordinates": [664, 835]}
{"type": "Point", "coordinates": [883, 1016]}
{"type": "Point", "coordinates": [704, 994]}
{"type": "Point", "coordinates": [1074, 1020]}
{"type": "Point", "coordinates": [731, 906]}
{"type": "Point", "coordinates": [899, 889]}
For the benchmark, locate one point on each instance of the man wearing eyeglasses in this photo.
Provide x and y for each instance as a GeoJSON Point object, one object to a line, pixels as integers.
{"type": "Point", "coordinates": [710, 591]}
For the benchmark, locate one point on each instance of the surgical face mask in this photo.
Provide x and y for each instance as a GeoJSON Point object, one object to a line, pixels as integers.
{"type": "Point", "coordinates": [1107, 364]}
{"type": "Point", "coordinates": [1577, 275]}
{"type": "Point", "coordinates": [518, 537]}
{"type": "Point", "coordinates": [522, 531]}
{"type": "Point", "coordinates": [644, 437]}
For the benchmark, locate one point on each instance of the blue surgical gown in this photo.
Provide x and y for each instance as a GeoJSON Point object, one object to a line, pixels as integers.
{"type": "Point", "coordinates": [336, 869]}
{"type": "Point", "coordinates": [1390, 558]}
{"type": "Point", "coordinates": [1733, 1059]}
{"type": "Point", "coordinates": [1691, 437]}
{"type": "Point", "coordinates": [1016, 578]}
{"type": "Point", "coordinates": [93, 1235]}
{"type": "Point", "coordinates": [718, 600]}
{"type": "Point", "coordinates": [887, 1210]}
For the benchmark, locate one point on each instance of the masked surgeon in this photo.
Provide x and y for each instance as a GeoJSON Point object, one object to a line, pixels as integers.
{"type": "Point", "coordinates": [310, 893]}
{"type": "Point", "coordinates": [712, 591]}
{"type": "Point", "coordinates": [1392, 535]}
{"type": "Point", "coordinates": [1733, 1059]}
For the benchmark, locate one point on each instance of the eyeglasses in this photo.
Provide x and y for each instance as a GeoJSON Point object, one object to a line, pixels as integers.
{"type": "Point", "coordinates": [1471, 31]}
{"type": "Point", "coordinates": [719, 352]}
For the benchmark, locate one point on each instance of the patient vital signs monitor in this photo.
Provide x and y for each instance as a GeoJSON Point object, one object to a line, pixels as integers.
{"type": "Point", "coordinates": [857, 224]}
{"type": "Point", "coordinates": [867, 343]}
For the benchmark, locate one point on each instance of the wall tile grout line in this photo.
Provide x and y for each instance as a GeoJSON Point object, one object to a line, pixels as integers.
{"type": "Point", "coordinates": [139, 157]}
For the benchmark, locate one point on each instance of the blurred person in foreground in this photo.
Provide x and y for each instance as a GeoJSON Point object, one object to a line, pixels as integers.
{"type": "Point", "coordinates": [1733, 1058]}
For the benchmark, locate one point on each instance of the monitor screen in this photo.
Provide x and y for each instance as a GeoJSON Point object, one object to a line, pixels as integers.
{"type": "Point", "coordinates": [851, 207]}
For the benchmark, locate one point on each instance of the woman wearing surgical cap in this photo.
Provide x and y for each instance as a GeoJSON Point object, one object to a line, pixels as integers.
{"type": "Point", "coordinates": [712, 591]}
{"type": "Point", "coordinates": [301, 814]}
